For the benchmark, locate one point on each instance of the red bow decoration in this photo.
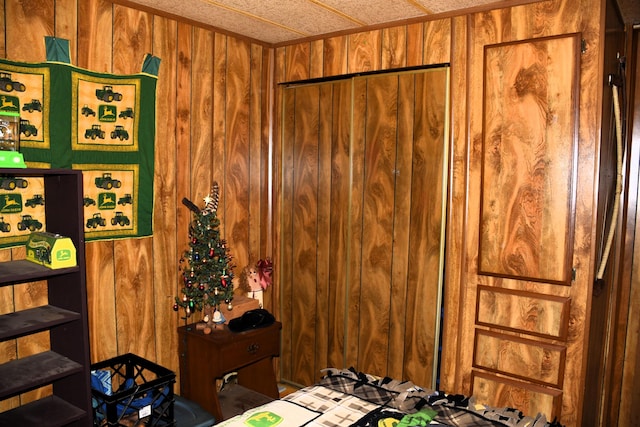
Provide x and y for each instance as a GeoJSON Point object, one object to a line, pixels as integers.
{"type": "Point", "coordinates": [265, 271]}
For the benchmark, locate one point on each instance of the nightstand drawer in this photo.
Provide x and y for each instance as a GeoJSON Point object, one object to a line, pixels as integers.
{"type": "Point", "coordinates": [248, 349]}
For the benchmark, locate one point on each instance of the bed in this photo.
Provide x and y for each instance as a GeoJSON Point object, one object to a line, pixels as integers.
{"type": "Point", "coordinates": [346, 397]}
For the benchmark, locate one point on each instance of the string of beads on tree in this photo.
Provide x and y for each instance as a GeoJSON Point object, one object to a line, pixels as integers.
{"type": "Point", "coordinates": [206, 267]}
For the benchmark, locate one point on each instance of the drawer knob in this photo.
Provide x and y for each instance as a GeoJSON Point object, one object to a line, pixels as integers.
{"type": "Point", "coordinates": [253, 348]}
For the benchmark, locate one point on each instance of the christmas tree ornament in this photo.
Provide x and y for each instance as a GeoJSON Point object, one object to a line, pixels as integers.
{"type": "Point", "coordinates": [212, 199]}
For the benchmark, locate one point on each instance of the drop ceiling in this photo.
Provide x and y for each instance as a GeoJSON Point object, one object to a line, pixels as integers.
{"type": "Point", "coordinates": [282, 21]}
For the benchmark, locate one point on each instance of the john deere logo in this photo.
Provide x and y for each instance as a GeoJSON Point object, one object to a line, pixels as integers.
{"type": "Point", "coordinates": [107, 113]}
{"type": "Point", "coordinates": [107, 201]}
{"type": "Point", "coordinates": [11, 203]}
{"type": "Point", "coordinates": [9, 105]}
{"type": "Point", "coordinates": [63, 255]}
{"type": "Point", "coordinates": [264, 419]}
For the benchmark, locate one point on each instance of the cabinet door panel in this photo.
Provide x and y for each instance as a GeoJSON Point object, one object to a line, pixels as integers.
{"type": "Point", "coordinates": [528, 159]}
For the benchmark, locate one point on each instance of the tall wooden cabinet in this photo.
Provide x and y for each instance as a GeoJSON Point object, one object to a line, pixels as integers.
{"type": "Point", "coordinates": [65, 366]}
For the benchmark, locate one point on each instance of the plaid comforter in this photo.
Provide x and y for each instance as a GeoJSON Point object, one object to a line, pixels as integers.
{"type": "Point", "coordinates": [351, 398]}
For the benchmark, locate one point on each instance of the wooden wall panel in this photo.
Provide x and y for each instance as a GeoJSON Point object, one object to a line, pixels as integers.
{"type": "Point", "coordinates": [220, 66]}
{"type": "Point", "coordinates": [530, 399]}
{"type": "Point", "coordinates": [520, 358]}
{"type": "Point", "coordinates": [415, 44]}
{"type": "Point", "coordinates": [364, 51]}
{"type": "Point", "coordinates": [335, 56]}
{"type": "Point", "coordinates": [437, 42]}
{"type": "Point", "coordinates": [95, 53]}
{"type": "Point", "coordinates": [523, 311]}
{"type": "Point", "coordinates": [316, 59]}
{"type": "Point", "coordinates": [101, 301]}
{"type": "Point", "coordinates": [305, 213]}
{"type": "Point", "coordinates": [238, 129]}
{"type": "Point", "coordinates": [133, 258]}
{"type": "Point", "coordinates": [298, 62]}
{"type": "Point", "coordinates": [132, 283]}
{"type": "Point", "coordinates": [66, 24]}
{"type": "Point", "coordinates": [394, 42]}
{"type": "Point", "coordinates": [29, 45]}
{"type": "Point", "coordinates": [181, 160]}
{"type": "Point", "coordinates": [257, 203]}
{"type": "Point", "coordinates": [201, 111]}
{"type": "Point", "coordinates": [455, 265]}
{"type": "Point", "coordinates": [285, 222]}
{"type": "Point", "coordinates": [165, 39]}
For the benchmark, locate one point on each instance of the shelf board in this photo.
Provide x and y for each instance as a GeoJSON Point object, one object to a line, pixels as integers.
{"type": "Point", "coordinates": [50, 411]}
{"type": "Point", "coordinates": [21, 375]}
{"type": "Point", "coordinates": [21, 271]}
{"type": "Point", "coordinates": [32, 320]}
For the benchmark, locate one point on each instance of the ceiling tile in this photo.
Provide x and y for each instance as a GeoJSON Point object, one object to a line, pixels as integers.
{"type": "Point", "coordinates": [281, 21]}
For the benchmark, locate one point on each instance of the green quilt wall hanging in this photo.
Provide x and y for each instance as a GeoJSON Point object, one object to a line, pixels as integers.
{"type": "Point", "coordinates": [102, 124]}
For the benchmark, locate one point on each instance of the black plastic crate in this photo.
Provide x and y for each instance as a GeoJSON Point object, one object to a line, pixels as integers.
{"type": "Point", "coordinates": [141, 393]}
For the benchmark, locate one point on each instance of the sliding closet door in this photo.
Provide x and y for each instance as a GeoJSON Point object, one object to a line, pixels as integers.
{"type": "Point", "coordinates": [364, 188]}
{"type": "Point", "coordinates": [316, 200]}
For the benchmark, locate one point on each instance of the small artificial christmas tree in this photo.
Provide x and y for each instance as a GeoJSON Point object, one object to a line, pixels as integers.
{"type": "Point", "coordinates": [206, 266]}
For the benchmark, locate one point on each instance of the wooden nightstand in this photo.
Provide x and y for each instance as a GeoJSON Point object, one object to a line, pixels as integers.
{"type": "Point", "coordinates": [205, 358]}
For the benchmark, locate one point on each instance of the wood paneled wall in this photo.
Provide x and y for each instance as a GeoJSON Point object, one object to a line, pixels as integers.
{"type": "Point", "coordinates": [211, 124]}
{"type": "Point", "coordinates": [461, 41]}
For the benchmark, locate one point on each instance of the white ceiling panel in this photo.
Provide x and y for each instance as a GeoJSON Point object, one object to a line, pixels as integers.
{"type": "Point", "coordinates": [282, 21]}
